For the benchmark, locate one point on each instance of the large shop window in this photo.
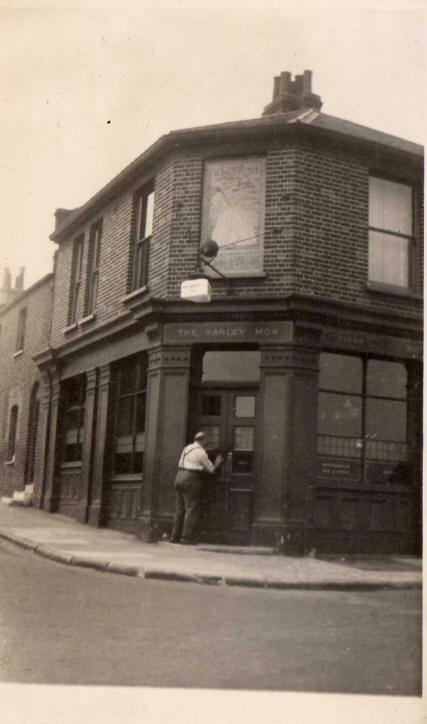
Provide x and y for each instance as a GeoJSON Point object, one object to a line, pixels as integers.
{"type": "Point", "coordinates": [144, 208]}
{"type": "Point", "coordinates": [129, 417]}
{"type": "Point", "coordinates": [74, 398]}
{"type": "Point", "coordinates": [391, 232]}
{"type": "Point", "coordinates": [362, 415]}
{"type": "Point", "coordinates": [233, 214]}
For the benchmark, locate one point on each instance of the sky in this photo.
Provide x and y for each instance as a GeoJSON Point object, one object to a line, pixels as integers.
{"type": "Point", "coordinates": [85, 91]}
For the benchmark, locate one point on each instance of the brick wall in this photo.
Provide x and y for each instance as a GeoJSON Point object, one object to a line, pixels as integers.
{"type": "Point", "coordinates": [315, 240]}
{"type": "Point", "coordinates": [18, 374]}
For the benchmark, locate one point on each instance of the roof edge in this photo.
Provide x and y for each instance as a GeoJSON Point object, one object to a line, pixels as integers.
{"type": "Point", "coordinates": [43, 280]}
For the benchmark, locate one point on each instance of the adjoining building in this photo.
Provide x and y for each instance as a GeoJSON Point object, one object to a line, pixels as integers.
{"type": "Point", "coordinates": [305, 367]}
{"type": "Point", "coordinates": [24, 331]}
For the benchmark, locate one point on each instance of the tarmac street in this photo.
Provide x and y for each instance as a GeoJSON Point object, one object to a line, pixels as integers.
{"type": "Point", "coordinates": [66, 624]}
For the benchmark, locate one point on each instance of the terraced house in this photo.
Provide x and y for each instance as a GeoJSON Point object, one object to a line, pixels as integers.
{"type": "Point", "coordinates": [293, 341]}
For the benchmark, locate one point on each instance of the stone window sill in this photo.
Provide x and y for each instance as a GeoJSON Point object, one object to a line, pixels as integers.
{"type": "Point", "coordinates": [18, 353]}
{"type": "Point", "coordinates": [390, 289]}
{"type": "Point", "coordinates": [70, 328]}
{"type": "Point", "coordinates": [89, 318]}
{"type": "Point", "coordinates": [135, 294]}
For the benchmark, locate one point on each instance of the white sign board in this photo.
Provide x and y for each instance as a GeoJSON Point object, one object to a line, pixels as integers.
{"type": "Point", "coordinates": [196, 290]}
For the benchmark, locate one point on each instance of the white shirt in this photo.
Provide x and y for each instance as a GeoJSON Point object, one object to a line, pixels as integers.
{"type": "Point", "coordinates": [194, 457]}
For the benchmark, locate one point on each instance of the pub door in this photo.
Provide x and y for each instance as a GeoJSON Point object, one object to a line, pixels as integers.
{"type": "Point", "coordinates": [228, 418]}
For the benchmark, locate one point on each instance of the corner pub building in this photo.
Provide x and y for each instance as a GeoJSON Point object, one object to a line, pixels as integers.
{"type": "Point", "coordinates": [304, 367]}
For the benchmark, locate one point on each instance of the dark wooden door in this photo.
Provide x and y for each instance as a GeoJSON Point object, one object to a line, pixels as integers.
{"type": "Point", "coordinates": [228, 417]}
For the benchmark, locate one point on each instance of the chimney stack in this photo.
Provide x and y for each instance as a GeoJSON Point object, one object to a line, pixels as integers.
{"type": "Point", "coordinates": [19, 282]}
{"type": "Point", "coordinates": [7, 279]}
{"type": "Point", "coordinates": [292, 95]}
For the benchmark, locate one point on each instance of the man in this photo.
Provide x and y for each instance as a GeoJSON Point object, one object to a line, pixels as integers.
{"type": "Point", "coordinates": [192, 464]}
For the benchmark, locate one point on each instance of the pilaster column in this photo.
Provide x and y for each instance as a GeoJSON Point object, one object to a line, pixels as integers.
{"type": "Point", "coordinates": [415, 437]}
{"type": "Point", "coordinates": [95, 506]}
{"type": "Point", "coordinates": [85, 474]}
{"type": "Point", "coordinates": [51, 482]}
{"type": "Point", "coordinates": [287, 436]}
{"type": "Point", "coordinates": [40, 478]}
{"type": "Point", "coordinates": [166, 426]}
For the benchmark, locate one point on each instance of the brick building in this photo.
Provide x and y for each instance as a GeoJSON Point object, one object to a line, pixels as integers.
{"type": "Point", "coordinates": [305, 365]}
{"type": "Point", "coordinates": [24, 331]}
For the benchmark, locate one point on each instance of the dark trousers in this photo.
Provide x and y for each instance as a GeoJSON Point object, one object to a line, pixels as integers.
{"type": "Point", "coordinates": [188, 484]}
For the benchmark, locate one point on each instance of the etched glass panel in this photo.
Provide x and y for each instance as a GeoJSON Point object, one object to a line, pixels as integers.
{"type": "Point", "coordinates": [243, 438]}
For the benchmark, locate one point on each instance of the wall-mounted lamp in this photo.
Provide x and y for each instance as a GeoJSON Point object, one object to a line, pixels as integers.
{"type": "Point", "coordinates": [199, 289]}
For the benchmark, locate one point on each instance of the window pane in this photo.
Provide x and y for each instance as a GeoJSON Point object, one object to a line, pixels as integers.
{"type": "Point", "coordinates": [386, 420]}
{"type": "Point", "coordinates": [123, 463]}
{"type": "Point", "coordinates": [390, 206]}
{"type": "Point", "coordinates": [243, 438]}
{"type": "Point", "coordinates": [340, 372]}
{"type": "Point", "coordinates": [244, 406]}
{"type": "Point", "coordinates": [149, 210]}
{"type": "Point", "coordinates": [232, 212]}
{"type": "Point", "coordinates": [239, 366]}
{"type": "Point", "coordinates": [140, 412]}
{"type": "Point", "coordinates": [388, 259]}
{"type": "Point", "coordinates": [211, 404]}
{"type": "Point", "coordinates": [124, 417]}
{"type": "Point", "coordinates": [128, 377]}
{"type": "Point", "coordinates": [137, 462]}
{"type": "Point", "coordinates": [339, 415]}
{"type": "Point", "coordinates": [386, 379]}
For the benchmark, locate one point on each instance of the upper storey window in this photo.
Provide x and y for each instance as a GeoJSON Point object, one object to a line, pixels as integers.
{"type": "Point", "coordinates": [93, 268]}
{"type": "Point", "coordinates": [391, 232]}
{"type": "Point", "coordinates": [233, 213]}
{"type": "Point", "coordinates": [144, 204]}
{"type": "Point", "coordinates": [76, 280]}
{"type": "Point", "coordinates": [20, 332]}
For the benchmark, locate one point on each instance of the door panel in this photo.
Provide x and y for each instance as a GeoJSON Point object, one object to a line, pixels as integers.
{"type": "Point", "coordinates": [228, 418]}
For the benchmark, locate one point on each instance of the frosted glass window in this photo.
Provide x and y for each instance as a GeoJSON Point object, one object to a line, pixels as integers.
{"type": "Point", "coordinates": [244, 406]}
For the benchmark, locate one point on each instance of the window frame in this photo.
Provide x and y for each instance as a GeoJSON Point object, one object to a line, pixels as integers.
{"type": "Point", "coordinates": [67, 410]}
{"type": "Point", "coordinates": [363, 444]}
{"type": "Point", "coordinates": [12, 436]}
{"type": "Point", "coordinates": [76, 279]}
{"type": "Point", "coordinates": [93, 266]}
{"type": "Point", "coordinates": [411, 239]}
{"type": "Point", "coordinates": [137, 396]}
{"type": "Point", "coordinates": [21, 329]}
{"type": "Point", "coordinates": [141, 240]}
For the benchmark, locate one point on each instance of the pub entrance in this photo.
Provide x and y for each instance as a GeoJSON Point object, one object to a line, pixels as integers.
{"type": "Point", "coordinates": [228, 416]}
{"type": "Point", "coordinates": [225, 406]}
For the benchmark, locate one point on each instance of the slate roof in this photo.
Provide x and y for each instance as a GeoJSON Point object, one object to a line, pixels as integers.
{"type": "Point", "coordinates": [269, 123]}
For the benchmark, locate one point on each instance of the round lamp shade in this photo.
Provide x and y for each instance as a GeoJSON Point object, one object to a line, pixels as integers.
{"type": "Point", "coordinates": [209, 249]}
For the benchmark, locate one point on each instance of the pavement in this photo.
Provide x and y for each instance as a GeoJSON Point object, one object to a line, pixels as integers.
{"type": "Point", "coordinates": [68, 542]}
